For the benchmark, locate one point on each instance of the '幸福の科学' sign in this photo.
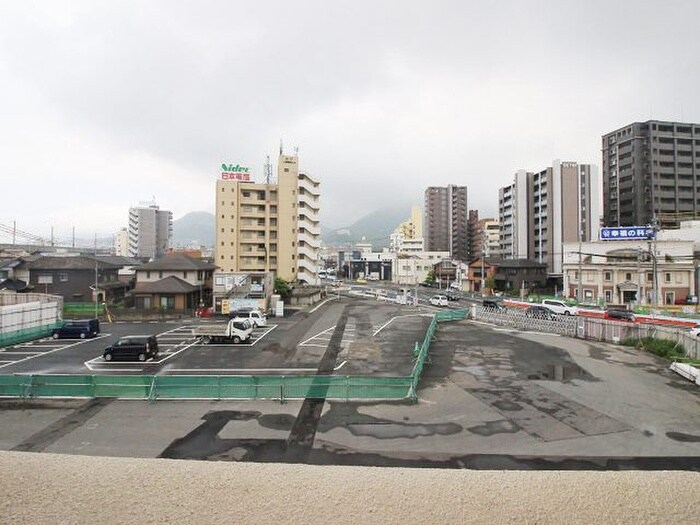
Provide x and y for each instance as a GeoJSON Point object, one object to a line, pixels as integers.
{"type": "Point", "coordinates": [627, 233]}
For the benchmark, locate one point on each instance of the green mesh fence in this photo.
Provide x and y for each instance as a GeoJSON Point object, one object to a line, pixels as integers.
{"type": "Point", "coordinates": [228, 387]}
{"type": "Point", "coordinates": [26, 334]}
{"type": "Point", "coordinates": [206, 387]}
{"type": "Point", "coordinates": [82, 309]}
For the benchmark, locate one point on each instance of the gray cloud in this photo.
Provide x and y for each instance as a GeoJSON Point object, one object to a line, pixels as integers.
{"type": "Point", "coordinates": [125, 100]}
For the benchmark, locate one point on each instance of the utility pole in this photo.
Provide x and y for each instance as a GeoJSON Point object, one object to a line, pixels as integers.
{"type": "Point", "coordinates": [14, 231]}
{"type": "Point", "coordinates": [579, 290]}
{"type": "Point", "coordinates": [483, 254]}
{"type": "Point", "coordinates": [639, 275]}
{"type": "Point", "coordinates": [96, 294]}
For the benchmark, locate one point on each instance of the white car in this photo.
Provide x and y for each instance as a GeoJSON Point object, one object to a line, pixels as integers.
{"type": "Point", "coordinates": [695, 332]}
{"type": "Point", "coordinates": [254, 317]}
{"type": "Point", "coordinates": [438, 300]}
{"type": "Point", "coordinates": [559, 307]}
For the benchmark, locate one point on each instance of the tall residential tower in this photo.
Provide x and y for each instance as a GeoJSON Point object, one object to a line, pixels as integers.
{"type": "Point", "coordinates": [542, 210]}
{"type": "Point", "coordinates": [651, 170]}
{"type": "Point", "coordinates": [150, 230]}
{"type": "Point", "coordinates": [446, 224]}
{"type": "Point", "coordinates": [269, 226]}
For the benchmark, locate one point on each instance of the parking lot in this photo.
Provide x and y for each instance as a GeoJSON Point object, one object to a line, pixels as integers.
{"type": "Point", "coordinates": [374, 338]}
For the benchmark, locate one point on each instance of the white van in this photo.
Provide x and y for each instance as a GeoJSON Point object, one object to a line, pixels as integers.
{"type": "Point", "coordinates": [559, 307]}
{"type": "Point", "coordinates": [254, 317]}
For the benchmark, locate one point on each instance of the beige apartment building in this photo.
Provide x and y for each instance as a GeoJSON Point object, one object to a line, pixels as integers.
{"type": "Point", "coordinates": [264, 227]}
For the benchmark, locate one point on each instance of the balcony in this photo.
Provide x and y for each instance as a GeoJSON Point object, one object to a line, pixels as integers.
{"type": "Point", "coordinates": [306, 184]}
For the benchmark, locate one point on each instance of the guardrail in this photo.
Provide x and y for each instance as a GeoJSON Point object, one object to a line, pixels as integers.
{"type": "Point", "coordinates": [227, 387]}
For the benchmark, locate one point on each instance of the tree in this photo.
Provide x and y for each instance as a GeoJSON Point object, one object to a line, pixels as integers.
{"type": "Point", "coordinates": [282, 288]}
{"type": "Point", "coordinates": [490, 283]}
{"type": "Point", "coordinates": [430, 278]}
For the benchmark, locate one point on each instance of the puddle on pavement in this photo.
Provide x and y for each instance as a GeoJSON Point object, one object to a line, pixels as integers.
{"type": "Point", "coordinates": [397, 430]}
{"type": "Point", "coordinates": [561, 372]}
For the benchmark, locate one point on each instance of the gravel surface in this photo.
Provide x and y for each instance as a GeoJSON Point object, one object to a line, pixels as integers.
{"type": "Point", "coordinates": [61, 489]}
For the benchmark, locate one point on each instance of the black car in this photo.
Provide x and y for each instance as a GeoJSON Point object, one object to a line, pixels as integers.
{"type": "Point", "coordinates": [77, 329]}
{"type": "Point", "coordinates": [132, 348]}
{"type": "Point", "coordinates": [493, 304]}
{"type": "Point", "coordinates": [620, 315]}
{"type": "Point", "coordinates": [540, 312]}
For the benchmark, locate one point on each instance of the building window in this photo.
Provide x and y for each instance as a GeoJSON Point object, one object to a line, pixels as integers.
{"type": "Point", "coordinates": [63, 277]}
{"type": "Point", "coordinates": [608, 296]}
{"type": "Point", "coordinates": [669, 297]}
{"type": "Point", "coordinates": [184, 275]}
{"type": "Point", "coordinates": [608, 276]}
{"type": "Point", "coordinates": [650, 277]}
{"type": "Point", "coordinates": [575, 276]}
{"type": "Point", "coordinates": [148, 275]}
{"type": "Point", "coordinates": [628, 276]}
{"type": "Point", "coordinates": [668, 278]}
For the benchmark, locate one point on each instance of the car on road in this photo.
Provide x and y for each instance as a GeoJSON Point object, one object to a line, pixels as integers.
{"type": "Point", "coordinates": [559, 307]}
{"type": "Point", "coordinates": [132, 348]}
{"type": "Point", "coordinates": [360, 280]}
{"type": "Point", "coordinates": [77, 329]}
{"type": "Point", "coordinates": [254, 317]}
{"type": "Point", "coordinates": [540, 312]}
{"type": "Point", "coordinates": [695, 331]}
{"type": "Point", "coordinates": [618, 314]}
{"type": "Point", "coordinates": [493, 305]}
{"type": "Point", "coordinates": [453, 295]}
{"type": "Point", "coordinates": [438, 300]}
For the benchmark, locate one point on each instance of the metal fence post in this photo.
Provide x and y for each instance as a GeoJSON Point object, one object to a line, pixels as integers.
{"type": "Point", "coordinates": [282, 391]}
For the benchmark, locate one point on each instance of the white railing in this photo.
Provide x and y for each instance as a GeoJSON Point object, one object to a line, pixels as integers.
{"type": "Point", "coordinates": [312, 240]}
{"type": "Point", "coordinates": [305, 183]}
{"type": "Point", "coordinates": [591, 328]}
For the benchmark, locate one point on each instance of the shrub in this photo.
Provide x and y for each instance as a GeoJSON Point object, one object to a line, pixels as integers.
{"type": "Point", "coordinates": [661, 347]}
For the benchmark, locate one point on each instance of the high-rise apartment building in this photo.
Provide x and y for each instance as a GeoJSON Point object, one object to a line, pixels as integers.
{"type": "Point", "coordinates": [651, 170]}
{"type": "Point", "coordinates": [445, 226]}
{"type": "Point", "coordinates": [408, 236]}
{"type": "Point", "coordinates": [150, 230]}
{"type": "Point", "coordinates": [542, 210]}
{"type": "Point", "coordinates": [267, 226]}
{"type": "Point", "coordinates": [121, 243]}
{"type": "Point", "coordinates": [484, 237]}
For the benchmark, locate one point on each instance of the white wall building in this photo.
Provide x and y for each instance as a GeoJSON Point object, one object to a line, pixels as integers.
{"type": "Point", "coordinates": [150, 230]}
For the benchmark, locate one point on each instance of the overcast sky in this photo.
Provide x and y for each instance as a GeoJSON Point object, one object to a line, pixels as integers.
{"type": "Point", "coordinates": [105, 104]}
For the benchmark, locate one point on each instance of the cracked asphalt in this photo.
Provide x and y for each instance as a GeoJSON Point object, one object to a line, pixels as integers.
{"type": "Point", "coordinates": [491, 398]}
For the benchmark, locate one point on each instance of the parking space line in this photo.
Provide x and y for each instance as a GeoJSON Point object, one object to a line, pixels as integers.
{"type": "Point", "coordinates": [81, 341]}
{"type": "Point", "coordinates": [318, 334]}
{"type": "Point", "coordinates": [19, 353]}
{"type": "Point", "coordinates": [397, 317]}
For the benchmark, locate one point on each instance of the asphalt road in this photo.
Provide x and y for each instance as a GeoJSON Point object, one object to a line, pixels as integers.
{"type": "Point", "coordinates": [490, 399]}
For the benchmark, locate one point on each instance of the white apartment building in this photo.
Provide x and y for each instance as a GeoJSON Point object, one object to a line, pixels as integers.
{"type": "Point", "coordinates": [150, 230]}
{"type": "Point", "coordinates": [541, 211]}
{"type": "Point", "coordinates": [121, 243]}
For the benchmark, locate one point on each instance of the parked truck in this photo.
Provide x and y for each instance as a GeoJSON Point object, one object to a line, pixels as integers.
{"type": "Point", "coordinates": [235, 331]}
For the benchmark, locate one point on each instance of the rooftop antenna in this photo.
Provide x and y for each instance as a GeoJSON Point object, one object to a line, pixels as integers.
{"type": "Point", "coordinates": [268, 171]}
{"type": "Point", "coordinates": [296, 150]}
{"type": "Point", "coordinates": [280, 146]}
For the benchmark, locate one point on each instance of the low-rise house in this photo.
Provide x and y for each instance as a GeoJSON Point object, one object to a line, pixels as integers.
{"type": "Point", "coordinates": [77, 278]}
{"type": "Point", "coordinates": [174, 282]}
{"type": "Point", "coordinates": [507, 274]}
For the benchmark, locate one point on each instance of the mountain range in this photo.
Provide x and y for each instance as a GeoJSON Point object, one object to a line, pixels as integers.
{"type": "Point", "coordinates": [198, 228]}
